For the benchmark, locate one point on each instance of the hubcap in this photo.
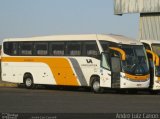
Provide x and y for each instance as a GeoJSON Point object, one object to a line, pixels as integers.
{"type": "Point", "coordinates": [28, 82]}
{"type": "Point", "coordinates": [96, 86]}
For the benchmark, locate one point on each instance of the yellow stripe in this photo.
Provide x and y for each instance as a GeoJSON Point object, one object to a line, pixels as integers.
{"type": "Point", "coordinates": [137, 77]}
{"type": "Point", "coordinates": [123, 54]}
{"type": "Point", "coordinates": [60, 67]}
{"type": "Point", "coordinates": [157, 60]}
{"type": "Point", "coordinates": [154, 56]}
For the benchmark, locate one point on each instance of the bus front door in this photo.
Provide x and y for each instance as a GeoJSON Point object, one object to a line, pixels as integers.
{"type": "Point", "coordinates": [115, 72]}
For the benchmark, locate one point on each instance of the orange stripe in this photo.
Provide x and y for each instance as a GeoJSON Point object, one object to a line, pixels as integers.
{"type": "Point", "coordinates": [60, 67]}
{"type": "Point", "coordinates": [153, 55]}
{"type": "Point", "coordinates": [137, 77]}
{"type": "Point", "coordinates": [157, 60]}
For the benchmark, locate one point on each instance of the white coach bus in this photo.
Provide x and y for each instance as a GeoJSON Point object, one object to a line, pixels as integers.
{"type": "Point", "coordinates": [95, 60]}
{"type": "Point", "coordinates": [153, 51]}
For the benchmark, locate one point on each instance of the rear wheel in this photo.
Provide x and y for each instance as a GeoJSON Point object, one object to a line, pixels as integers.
{"type": "Point", "coordinates": [28, 81]}
{"type": "Point", "coordinates": [96, 86]}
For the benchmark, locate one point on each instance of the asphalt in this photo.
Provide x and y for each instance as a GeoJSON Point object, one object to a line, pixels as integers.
{"type": "Point", "coordinates": [53, 100]}
{"type": "Point", "coordinates": [7, 84]}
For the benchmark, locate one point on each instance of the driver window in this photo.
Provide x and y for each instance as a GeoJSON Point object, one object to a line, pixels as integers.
{"type": "Point", "coordinates": [105, 61]}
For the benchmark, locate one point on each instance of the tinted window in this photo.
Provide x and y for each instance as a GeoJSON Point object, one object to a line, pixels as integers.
{"type": "Point", "coordinates": [41, 48]}
{"type": "Point", "coordinates": [105, 46]}
{"type": "Point", "coordinates": [105, 61]}
{"type": "Point", "coordinates": [74, 48]}
{"type": "Point", "coordinates": [11, 48]}
{"type": "Point", "coordinates": [57, 48]}
{"type": "Point", "coordinates": [136, 61]}
{"type": "Point", "coordinates": [90, 48]}
{"type": "Point", "coordinates": [26, 48]}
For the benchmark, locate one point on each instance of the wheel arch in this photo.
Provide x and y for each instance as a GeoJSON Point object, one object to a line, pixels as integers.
{"type": "Point", "coordinates": [27, 74]}
{"type": "Point", "coordinates": [92, 78]}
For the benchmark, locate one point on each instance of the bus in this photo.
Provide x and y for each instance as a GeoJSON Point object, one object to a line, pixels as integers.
{"type": "Point", "coordinates": [91, 60]}
{"type": "Point", "coordinates": [153, 52]}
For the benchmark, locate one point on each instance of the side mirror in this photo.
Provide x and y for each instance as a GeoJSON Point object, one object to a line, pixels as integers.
{"type": "Point", "coordinates": [116, 64]}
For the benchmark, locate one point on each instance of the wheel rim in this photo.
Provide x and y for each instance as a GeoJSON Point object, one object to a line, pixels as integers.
{"type": "Point", "coordinates": [96, 86]}
{"type": "Point", "coordinates": [28, 82]}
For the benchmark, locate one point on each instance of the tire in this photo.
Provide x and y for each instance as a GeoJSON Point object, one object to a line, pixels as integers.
{"type": "Point", "coordinates": [28, 81]}
{"type": "Point", "coordinates": [95, 85]}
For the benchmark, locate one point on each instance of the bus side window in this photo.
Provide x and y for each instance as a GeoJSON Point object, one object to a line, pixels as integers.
{"type": "Point", "coordinates": [41, 48]}
{"type": "Point", "coordinates": [26, 48]}
{"type": "Point", "coordinates": [57, 48]}
{"type": "Point", "coordinates": [11, 48]}
{"type": "Point", "coordinates": [74, 48]}
{"type": "Point", "coordinates": [90, 48]}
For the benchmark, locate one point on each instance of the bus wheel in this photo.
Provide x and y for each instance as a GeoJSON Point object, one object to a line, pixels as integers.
{"type": "Point", "coordinates": [96, 86]}
{"type": "Point", "coordinates": [28, 81]}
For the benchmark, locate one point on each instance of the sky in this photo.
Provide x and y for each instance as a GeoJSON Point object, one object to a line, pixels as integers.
{"type": "Point", "coordinates": [28, 18]}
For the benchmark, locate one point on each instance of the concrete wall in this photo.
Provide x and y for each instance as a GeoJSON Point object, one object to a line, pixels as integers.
{"type": "Point", "coordinates": [136, 6]}
{"type": "Point", "coordinates": [149, 26]}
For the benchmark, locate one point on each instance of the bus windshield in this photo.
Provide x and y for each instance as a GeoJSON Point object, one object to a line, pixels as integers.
{"type": "Point", "coordinates": [136, 61]}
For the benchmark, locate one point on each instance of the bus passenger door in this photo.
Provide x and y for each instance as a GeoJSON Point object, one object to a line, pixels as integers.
{"type": "Point", "coordinates": [115, 69]}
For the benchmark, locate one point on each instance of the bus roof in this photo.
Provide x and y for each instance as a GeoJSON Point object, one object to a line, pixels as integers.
{"type": "Point", "coordinates": [111, 37]}
{"type": "Point", "coordinates": [150, 41]}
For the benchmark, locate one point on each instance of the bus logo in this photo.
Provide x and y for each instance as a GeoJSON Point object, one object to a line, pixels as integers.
{"type": "Point", "coordinates": [89, 61]}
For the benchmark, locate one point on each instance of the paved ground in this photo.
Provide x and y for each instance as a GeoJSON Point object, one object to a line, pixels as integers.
{"type": "Point", "coordinates": [6, 84]}
{"type": "Point", "coordinates": [67, 101]}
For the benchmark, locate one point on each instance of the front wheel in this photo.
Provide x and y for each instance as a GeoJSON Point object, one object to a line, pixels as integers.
{"type": "Point", "coordinates": [28, 81]}
{"type": "Point", "coordinates": [96, 86]}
